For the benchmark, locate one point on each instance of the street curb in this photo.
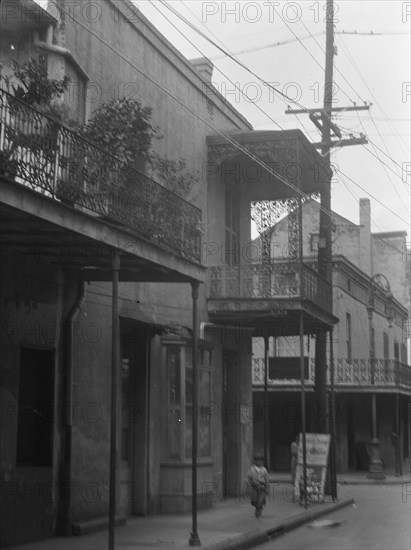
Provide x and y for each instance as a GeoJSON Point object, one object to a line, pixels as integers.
{"type": "Point", "coordinates": [357, 482]}
{"type": "Point", "coordinates": [253, 538]}
{"type": "Point", "coordinates": [376, 482]}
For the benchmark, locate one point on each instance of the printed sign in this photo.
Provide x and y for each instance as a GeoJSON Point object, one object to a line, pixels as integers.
{"type": "Point", "coordinates": [317, 447]}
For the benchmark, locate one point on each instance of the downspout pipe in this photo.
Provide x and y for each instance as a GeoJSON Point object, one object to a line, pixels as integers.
{"type": "Point", "coordinates": [65, 52]}
{"type": "Point", "coordinates": [68, 405]}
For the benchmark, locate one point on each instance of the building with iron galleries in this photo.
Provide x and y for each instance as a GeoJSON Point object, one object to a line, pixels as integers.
{"type": "Point", "coordinates": [371, 298]}
{"type": "Point", "coordinates": [107, 288]}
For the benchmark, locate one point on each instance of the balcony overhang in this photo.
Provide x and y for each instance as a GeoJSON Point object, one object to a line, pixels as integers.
{"type": "Point", "coordinates": [273, 317]}
{"type": "Point", "coordinates": [270, 295]}
{"type": "Point", "coordinates": [50, 231]}
{"type": "Point", "coordinates": [286, 153]}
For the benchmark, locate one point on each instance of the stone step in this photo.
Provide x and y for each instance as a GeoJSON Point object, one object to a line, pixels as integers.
{"type": "Point", "coordinates": [92, 525]}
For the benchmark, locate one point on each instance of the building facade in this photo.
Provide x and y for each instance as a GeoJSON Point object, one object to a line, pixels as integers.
{"type": "Point", "coordinates": [107, 291]}
{"type": "Point", "coordinates": [359, 257]}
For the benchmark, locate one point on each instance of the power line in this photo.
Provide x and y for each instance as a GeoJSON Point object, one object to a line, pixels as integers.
{"type": "Point", "coordinates": [384, 165]}
{"type": "Point", "coordinates": [373, 197]}
{"type": "Point", "coordinates": [233, 58]}
{"type": "Point", "coordinates": [310, 35]}
{"type": "Point", "coordinates": [354, 64]}
{"type": "Point", "coordinates": [224, 74]}
{"type": "Point", "coordinates": [211, 126]}
{"type": "Point", "coordinates": [336, 68]}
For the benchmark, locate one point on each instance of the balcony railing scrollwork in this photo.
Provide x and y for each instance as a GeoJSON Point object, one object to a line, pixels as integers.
{"type": "Point", "coordinates": [273, 280]}
{"type": "Point", "coordinates": [39, 153]}
{"type": "Point", "coordinates": [355, 374]}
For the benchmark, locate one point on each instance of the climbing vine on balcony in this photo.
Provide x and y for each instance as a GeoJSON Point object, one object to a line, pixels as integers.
{"type": "Point", "coordinates": [124, 128]}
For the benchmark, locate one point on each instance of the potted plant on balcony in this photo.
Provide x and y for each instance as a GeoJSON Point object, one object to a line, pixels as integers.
{"type": "Point", "coordinates": [123, 127]}
{"type": "Point", "coordinates": [31, 95]}
{"type": "Point", "coordinates": [8, 165]}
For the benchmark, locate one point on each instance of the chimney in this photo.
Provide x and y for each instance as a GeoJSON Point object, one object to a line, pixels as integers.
{"type": "Point", "coordinates": [365, 251]}
{"type": "Point", "coordinates": [204, 67]}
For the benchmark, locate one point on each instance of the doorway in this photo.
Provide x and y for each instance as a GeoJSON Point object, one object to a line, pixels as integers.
{"type": "Point", "coordinates": [133, 415]}
{"type": "Point", "coordinates": [231, 424]}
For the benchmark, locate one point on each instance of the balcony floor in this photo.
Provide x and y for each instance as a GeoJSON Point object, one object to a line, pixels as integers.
{"type": "Point", "coordinates": [56, 233]}
{"type": "Point", "coordinates": [276, 317]}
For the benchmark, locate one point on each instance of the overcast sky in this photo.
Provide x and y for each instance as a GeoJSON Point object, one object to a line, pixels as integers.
{"type": "Point", "coordinates": [372, 68]}
{"type": "Point", "coordinates": [284, 44]}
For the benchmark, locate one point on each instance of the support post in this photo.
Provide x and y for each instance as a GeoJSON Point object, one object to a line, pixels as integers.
{"type": "Point", "coordinates": [333, 465]}
{"type": "Point", "coordinates": [113, 417]}
{"type": "Point", "coordinates": [266, 342]}
{"type": "Point", "coordinates": [194, 539]}
{"type": "Point", "coordinates": [397, 442]}
{"type": "Point", "coordinates": [375, 466]}
{"type": "Point", "coordinates": [324, 249]}
{"type": "Point", "coordinates": [409, 436]}
{"type": "Point", "coordinates": [303, 419]}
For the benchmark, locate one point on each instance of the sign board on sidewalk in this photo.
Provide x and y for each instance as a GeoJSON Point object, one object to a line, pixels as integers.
{"type": "Point", "coordinates": [317, 447]}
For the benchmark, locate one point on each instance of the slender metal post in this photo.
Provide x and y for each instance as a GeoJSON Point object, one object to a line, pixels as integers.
{"type": "Point", "coordinates": [375, 466]}
{"type": "Point", "coordinates": [194, 539]}
{"type": "Point", "coordinates": [398, 457]}
{"type": "Point", "coordinates": [113, 419]}
{"type": "Point", "coordinates": [265, 401]}
{"type": "Point", "coordinates": [303, 430]}
{"type": "Point", "coordinates": [334, 494]}
{"type": "Point", "coordinates": [409, 436]}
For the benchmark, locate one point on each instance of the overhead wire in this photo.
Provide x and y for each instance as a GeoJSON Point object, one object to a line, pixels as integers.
{"type": "Point", "coordinates": [335, 67]}
{"type": "Point", "coordinates": [194, 28]}
{"type": "Point", "coordinates": [226, 137]}
{"type": "Point", "coordinates": [385, 166]}
{"type": "Point", "coordinates": [222, 72]}
{"type": "Point", "coordinates": [354, 64]}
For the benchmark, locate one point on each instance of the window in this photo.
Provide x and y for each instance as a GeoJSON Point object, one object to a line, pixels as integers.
{"type": "Point", "coordinates": [403, 353]}
{"type": "Point", "coordinates": [36, 406]}
{"type": "Point", "coordinates": [179, 435]}
{"type": "Point", "coordinates": [173, 423]}
{"type": "Point", "coordinates": [396, 350]}
{"type": "Point", "coordinates": [386, 346]}
{"type": "Point", "coordinates": [314, 240]}
{"type": "Point", "coordinates": [348, 337]}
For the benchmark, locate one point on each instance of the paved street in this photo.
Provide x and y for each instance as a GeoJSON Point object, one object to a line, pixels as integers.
{"type": "Point", "coordinates": [379, 519]}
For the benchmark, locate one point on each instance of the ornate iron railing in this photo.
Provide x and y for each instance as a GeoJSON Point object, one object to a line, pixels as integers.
{"type": "Point", "coordinates": [387, 373]}
{"type": "Point", "coordinates": [258, 375]}
{"type": "Point", "coordinates": [271, 280]}
{"type": "Point", "coordinates": [57, 162]}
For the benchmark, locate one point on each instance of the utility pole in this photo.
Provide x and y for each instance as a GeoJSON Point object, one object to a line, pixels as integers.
{"type": "Point", "coordinates": [324, 247]}
{"type": "Point", "coordinates": [321, 117]}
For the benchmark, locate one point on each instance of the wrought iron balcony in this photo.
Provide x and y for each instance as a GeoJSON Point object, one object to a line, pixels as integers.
{"type": "Point", "coordinates": [39, 153]}
{"type": "Point", "coordinates": [357, 374]}
{"type": "Point", "coordinates": [282, 280]}
{"type": "Point", "coordinates": [387, 372]}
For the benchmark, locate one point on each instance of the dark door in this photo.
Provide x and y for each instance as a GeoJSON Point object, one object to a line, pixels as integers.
{"type": "Point", "coordinates": [133, 417]}
{"type": "Point", "coordinates": [231, 424]}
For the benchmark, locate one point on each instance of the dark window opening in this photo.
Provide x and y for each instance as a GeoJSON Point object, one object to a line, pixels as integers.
{"type": "Point", "coordinates": [36, 406]}
{"type": "Point", "coordinates": [349, 338]}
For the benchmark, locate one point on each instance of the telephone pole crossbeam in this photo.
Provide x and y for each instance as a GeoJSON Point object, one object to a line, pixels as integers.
{"type": "Point", "coordinates": [333, 109]}
{"type": "Point", "coordinates": [341, 143]}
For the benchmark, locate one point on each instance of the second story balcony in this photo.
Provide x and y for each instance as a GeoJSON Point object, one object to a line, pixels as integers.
{"type": "Point", "coordinates": [359, 375]}
{"type": "Point", "coordinates": [260, 286]}
{"type": "Point", "coordinates": [57, 163]}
